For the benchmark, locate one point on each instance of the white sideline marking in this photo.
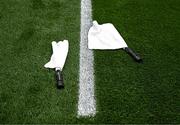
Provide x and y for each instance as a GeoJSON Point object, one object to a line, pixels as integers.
{"type": "Point", "coordinates": [86, 103]}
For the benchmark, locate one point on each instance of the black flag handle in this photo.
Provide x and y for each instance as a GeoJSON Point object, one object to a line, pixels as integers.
{"type": "Point", "coordinates": [59, 79]}
{"type": "Point", "coordinates": [136, 57]}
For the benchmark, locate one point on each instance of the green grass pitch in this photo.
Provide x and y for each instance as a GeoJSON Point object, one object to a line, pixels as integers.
{"type": "Point", "coordinates": [27, 90]}
{"type": "Point", "coordinates": [126, 92]}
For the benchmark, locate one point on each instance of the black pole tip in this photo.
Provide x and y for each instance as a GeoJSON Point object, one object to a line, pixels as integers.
{"type": "Point", "coordinates": [60, 85]}
{"type": "Point", "coordinates": [139, 60]}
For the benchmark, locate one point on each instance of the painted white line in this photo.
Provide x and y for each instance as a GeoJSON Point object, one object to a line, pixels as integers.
{"type": "Point", "coordinates": [86, 103]}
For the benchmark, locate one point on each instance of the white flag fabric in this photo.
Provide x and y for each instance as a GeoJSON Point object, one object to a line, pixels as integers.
{"type": "Point", "coordinates": [104, 37]}
{"type": "Point", "coordinates": [58, 58]}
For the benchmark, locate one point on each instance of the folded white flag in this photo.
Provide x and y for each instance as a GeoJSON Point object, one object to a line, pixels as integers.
{"type": "Point", "coordinates": [58, 58]}
{"type": "Point", "coordinates": [105, 36]}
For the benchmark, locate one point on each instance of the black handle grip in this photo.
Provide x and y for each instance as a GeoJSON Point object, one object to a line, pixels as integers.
{"type": "Point", "coordinates": [59, 79]}
{"type": "Point", "coordinates": [133, 54]}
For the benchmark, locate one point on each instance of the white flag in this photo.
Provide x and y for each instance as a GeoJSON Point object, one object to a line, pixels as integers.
{"type": "Point", "coordinates": [105, 36]}
{"type": "Point", "coordinates": [58, 58]}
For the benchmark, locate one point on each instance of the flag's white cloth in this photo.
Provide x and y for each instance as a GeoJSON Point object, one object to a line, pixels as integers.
{"type": "Point", "coordinates": [58, 58]}
{"type": "Point", "coordinates": [105, 36]}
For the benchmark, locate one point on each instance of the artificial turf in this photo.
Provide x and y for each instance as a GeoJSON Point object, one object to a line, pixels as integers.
{"type": "Point", "coordinates": [27, 90]}
{"type": "Point", "coordinates": [128, 92]}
